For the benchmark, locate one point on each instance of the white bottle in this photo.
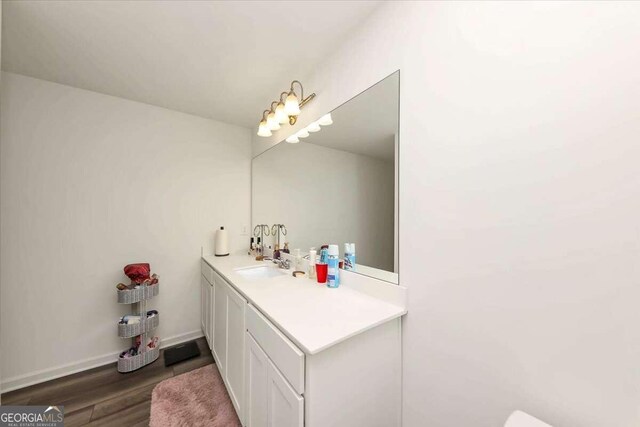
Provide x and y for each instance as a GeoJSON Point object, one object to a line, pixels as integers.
{"type": "Point", "coordinates": [312, 264]}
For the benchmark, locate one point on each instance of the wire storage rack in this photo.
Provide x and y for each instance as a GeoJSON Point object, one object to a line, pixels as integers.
{"type": "Point", "coordinates": [139, 298]}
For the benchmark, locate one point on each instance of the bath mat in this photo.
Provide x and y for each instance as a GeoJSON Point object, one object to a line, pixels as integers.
{"type": "Point", "coordinates": [197, 398]}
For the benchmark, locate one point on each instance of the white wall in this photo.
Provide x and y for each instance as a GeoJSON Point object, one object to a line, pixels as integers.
{"type": "Point", "coordinates": [91, 183]}
{"type": "Point", "coordinates": [519, 204]}
{"type": "Point", "coordinates": [0, 162]}
{"type": "Point", "coordinates": [323, 195]}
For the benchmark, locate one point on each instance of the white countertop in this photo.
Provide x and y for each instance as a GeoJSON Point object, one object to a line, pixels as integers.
{"type": "Point", "coordinates": [313, 316]}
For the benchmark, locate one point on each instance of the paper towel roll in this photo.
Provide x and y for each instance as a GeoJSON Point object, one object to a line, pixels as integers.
{"type": "Point", "coordinates": [222, 242]}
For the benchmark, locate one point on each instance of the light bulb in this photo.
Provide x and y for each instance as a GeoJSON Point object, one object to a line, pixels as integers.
{"type": "Point", "coordinates": [313, 127]}
{"type": "Point", "coordinates": [263, 129]}
{"type": "Point", "coordinates": [325, 120]}
{"type": "Point", "coordinates": [281, 116]}
{"type": "Point", "coordinates": [272, 122]}
{"type": "Point", "coordinates": [292, 139]}
{"type": "Point", "coordinates": [302, 133]}
{"type": "Point", "coordinates": [291, 106]}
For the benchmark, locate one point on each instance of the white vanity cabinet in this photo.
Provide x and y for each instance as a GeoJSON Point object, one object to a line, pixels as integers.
{"type": "Point", "coordinates": [235, 330]}
{"type": "Point", "coordinates": [223, 324]}
{"type": "Point", "coordinates": [271, 400]}
{"type": "Point", "coordinates": [220, 323]}
{"type": "Point", "coordinates": [206, 292]}
{"type": "Point", "coordinates": [272, 382]}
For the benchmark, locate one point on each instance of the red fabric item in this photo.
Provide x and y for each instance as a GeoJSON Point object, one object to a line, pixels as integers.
{"type": "Point", "coordinates": [138, 273]}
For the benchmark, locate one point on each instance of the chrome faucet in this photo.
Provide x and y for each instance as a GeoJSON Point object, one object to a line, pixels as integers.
{"type": "Point", "coordinates": [282, 263]}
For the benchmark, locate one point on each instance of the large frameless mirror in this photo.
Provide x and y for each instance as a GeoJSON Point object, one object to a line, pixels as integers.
{"type": "Point", "coordinates": [339, 185]}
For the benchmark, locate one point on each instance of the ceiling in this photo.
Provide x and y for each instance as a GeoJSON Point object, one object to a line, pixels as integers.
{"type": "Point", "coordinates": [366, 124]}
{"type": "Point", "coordinates": [221, 60]}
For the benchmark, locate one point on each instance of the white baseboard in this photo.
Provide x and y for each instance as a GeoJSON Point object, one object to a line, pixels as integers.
{"type": "Point", "coordinates": [21, 381]}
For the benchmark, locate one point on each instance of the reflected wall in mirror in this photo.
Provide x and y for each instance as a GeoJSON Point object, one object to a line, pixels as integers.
{"type": "Point", "coordinates": [339, 184]}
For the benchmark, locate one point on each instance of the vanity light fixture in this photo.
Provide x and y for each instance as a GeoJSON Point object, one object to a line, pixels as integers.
{"type": "Point", "coordinates": [263, 128]}
{"type": "Point", "coordinates": [287, 110]}
{"type": "Point", "coordinates": [293, 139]}
{"type": "Point", "coordinates": [313, 127]}
{"type": "Point", "coordinates": [325, 120]}
{"type": "Point", "coordinates": [272, 121]}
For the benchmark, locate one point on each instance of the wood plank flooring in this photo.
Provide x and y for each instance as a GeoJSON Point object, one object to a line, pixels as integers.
{"type": "Point", "coordinates": [103, 396]}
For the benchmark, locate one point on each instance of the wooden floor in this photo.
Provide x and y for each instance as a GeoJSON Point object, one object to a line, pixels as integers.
{"type": "Point", "coordinates": [104, 397]}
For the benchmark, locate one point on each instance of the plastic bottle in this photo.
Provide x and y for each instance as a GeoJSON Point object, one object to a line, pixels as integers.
{"type": "Point", "coordinates": [324, 254]}
{"type": "Point", "coordinates": [350, 256]}
{"type": "Point", "coordinates": [333, 276]}
{"type": "Point", "coordinates": [312, 264]}
{"type": "Point", "coordinates": [297, 259]}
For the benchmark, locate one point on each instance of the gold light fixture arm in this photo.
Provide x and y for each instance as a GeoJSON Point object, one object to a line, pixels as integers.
{"type": "Point", "coordinates": [303, 100]}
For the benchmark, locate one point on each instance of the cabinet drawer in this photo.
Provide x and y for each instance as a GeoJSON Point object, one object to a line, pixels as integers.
{"type": "Point", "coordinates": [206, 271]}
{"type": "Point", "coordinates": [284, 354]}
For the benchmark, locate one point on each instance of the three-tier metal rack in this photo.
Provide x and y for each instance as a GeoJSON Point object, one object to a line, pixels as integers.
{"type": "Point", "coordinates": [139, 298]}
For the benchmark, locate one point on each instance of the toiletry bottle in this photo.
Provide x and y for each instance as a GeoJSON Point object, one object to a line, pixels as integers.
{"type": "Point", "coordinates": [324, 254]}
{"type": "Point", "coordinates": [353, 256]}
{"type": "Point", "coordinates": [297, 259]}
{"type": "Point", "coordinates": [349, 256]}
{"type": "Point", "coordinates": [333, 276]}
{"type": "Point", "coordinates": [312, 264]}
{"type": "Point", "coordinates": [252, 247]}
{"type": "Point", "coordinates": [286, 248]}
{"type": "Point", "coordinates": [276, 252]}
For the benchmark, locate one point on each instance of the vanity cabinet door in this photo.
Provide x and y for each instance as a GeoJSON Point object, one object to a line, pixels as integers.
{"type": "Point", "coordinates": [220, 325]}
{"type": "Point", "coordinates": [211, 315]}
{"type": "Point", "coordinates": [203, 301]}
{"type": "Point", "coordinates": [256, 368]}
{"type": "Point", "coordinates": [285, 407]}
{"type": "Point", "coordinates": [236, 329]}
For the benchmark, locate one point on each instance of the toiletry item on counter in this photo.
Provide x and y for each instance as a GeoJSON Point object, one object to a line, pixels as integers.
{"type": "Point", "coordinates": [286, 248]}
{"type": "Point", "coordinates": [252, 247]}
{"type": "Point", "coordinates": [333, 274]}
{"type": "Point", "coordinates": [222, 242]}
{"type": "Point", "coordinates": [321, 272]}
{"type": "Point", "coordinates": [276, 252]}
{"type": "Point", "coordinates": [297, 259]}
{"type": "Point", "coordinates": [312, 264]}
{"type": "Point", "coordinates": [324, 254]}
{"type": "Point", "coordinates": [258, 250]}
{"type": "Point", "coordinates": [350, 256]}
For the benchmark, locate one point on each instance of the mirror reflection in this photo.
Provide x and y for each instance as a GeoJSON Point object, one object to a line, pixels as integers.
{"type": "Point", "coordinates": [338, 185]}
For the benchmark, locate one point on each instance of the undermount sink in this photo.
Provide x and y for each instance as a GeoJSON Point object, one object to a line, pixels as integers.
{"type": "Point", "coordinates": [260, 272]}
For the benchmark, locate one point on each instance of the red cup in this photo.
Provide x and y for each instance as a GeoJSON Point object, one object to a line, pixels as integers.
{"type": "Point", "coordinates": [321, 272]}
